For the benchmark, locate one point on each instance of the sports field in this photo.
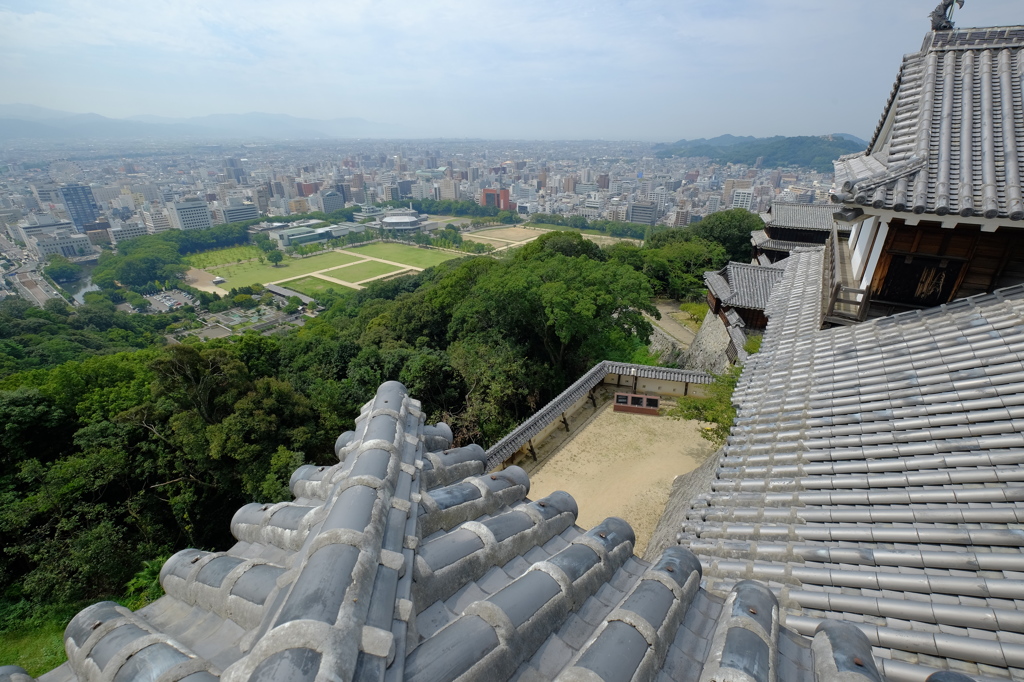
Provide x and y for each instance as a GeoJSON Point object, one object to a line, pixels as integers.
{"type": "Point", "coordinates": [360, 271]}
{"type": "Point", "coordinates": [313, 286]}
{"type": "Point", "coordinates": [253, 272]}
{"type": "Point", "coordinates": [232, 254]}
{"type": "Point", "coordinates": [406, 255]}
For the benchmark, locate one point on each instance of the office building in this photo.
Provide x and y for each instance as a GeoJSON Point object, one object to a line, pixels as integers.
{"type": "Point", "coordinates": [449, 189]}
{"type": "Point", "coordinates": [497, 197]}
{"type": "Point", "coordinates": [121, 231]}
{"type": "Point", "coordinates": [80, 204]}
{"type": "Point", "coordinates": [157, 220]}
{"type": "Point", "coordinates": [332, 201]}
{"type": "Point", "coordinates": [191, 213]}
{"type": "Point", "coordinates": [643, 212]}
{"type": "Point", "coordinates": [236, 213]}
{"type": "Point", "coordinates": [742, 198]}
{"type": "Point", "coordinates": [67, 243]}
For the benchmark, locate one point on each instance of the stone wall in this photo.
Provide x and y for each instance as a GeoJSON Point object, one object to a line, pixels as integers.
{"type": "Point", "coordinates": [670, 353]}
{"type": "Point", "coordinates": [707, 353]}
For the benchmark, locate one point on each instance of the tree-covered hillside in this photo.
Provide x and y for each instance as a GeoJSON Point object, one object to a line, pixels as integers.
{"type": "Point", "coordinates": [816, 153]}
{"type": "Point", "coordinates": [116, 449]}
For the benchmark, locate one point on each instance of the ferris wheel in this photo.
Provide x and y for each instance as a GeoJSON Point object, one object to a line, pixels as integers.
{"type": "Point", "coordinates": [63, 170]}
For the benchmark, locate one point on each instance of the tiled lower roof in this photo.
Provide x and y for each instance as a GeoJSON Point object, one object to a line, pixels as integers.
{"type": "Point", "coordinates": [761, 240]}
{"type": "Point", "coordinates": [875, 474]}
{"type": "Point", "coordinates": [407, 562]}
{"type": "Point", "coordinates": [742, 285]}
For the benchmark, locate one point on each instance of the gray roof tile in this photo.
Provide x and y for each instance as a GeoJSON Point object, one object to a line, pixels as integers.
{"type": "Point", "coordinates": [915, 161]}
{"type": "Point", "coordinates": [817, 217]}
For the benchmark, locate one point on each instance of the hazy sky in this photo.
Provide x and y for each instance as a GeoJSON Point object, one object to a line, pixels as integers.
{"type": "Point", "coordinates": [614, 69]}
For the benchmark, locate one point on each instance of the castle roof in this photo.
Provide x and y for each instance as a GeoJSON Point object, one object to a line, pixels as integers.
{"type": "Point", "coordinates": [949, 139]}
{"type": "Point", "coordinates": [407, 561]}
{"type": "Point", "coordinates": [875, 474]}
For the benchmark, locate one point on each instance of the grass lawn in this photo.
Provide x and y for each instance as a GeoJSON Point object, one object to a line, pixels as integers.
{"type": "Point", "coordinates": [312, 286]}
{"type": "Point", "coordinates": [360, 271]}
{"type": "Point", "coordinates": [407, 255]}
{"type": "Point", "coordinates": [232, 254]}
{"type": "Point", "coordinates": [37, 649]}
{"type": "Point", "coordinates": [247, 274]}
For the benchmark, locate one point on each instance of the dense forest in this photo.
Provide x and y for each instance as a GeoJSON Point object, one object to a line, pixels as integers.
{"type": "Point", "coordinates": [119, 449]}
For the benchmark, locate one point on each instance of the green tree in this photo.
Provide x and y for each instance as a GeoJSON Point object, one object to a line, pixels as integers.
{"type": "Point", "coordinates": [60, 269]}
{"type": "Point", "coordinates": [275, 257]}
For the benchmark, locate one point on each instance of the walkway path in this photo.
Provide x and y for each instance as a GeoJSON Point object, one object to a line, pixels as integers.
{"type": "Point", "coordinates": [681, 333]}
{"type": "Point", "coordinates": [320, 274]}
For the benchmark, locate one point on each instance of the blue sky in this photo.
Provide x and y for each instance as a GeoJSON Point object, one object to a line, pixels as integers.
{"type": "Point", "coordinates": [614, 69]}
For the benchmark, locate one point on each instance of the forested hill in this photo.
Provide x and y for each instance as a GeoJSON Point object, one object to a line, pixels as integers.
{"type": "Point", "coordinates": [132, 450]}
{"type": "Point", "coordinates": [816, 153]}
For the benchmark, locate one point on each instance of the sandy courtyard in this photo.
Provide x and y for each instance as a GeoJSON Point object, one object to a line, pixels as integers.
{"type": "Point", "coordinates": [203, 280]}
{"type": "Point", "coordinates": [622, 465]}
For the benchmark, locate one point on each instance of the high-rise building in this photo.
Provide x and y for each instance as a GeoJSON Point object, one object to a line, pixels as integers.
{"type": "Point", "coordinates": [742, 198]}
{"type": "Point", "coordinates": [157, 220]}
{"type": "Point", "coordinates": [298, 205]}
{"type": "Point", "coordinates": [80, 204]}
{"type": "Point", "coordinates": [190, 213]}
{"type": "Point", "coordinates": [602, 181]}
{"type": "Point", "coordinates": [332, 201]}
{"type": "Point", "coordinates": [449, 189]}
{"type": "Point", "coordinates": [497, 197]}
{"type": "Point", "coordinates": [422, 190]}
{"type": "Point", "coordinates": [643, 212]}
{"type": "Point", "coordinates": [714, 204]}
{"type": "Point", "coordinates": [681, 218]}
{"type": "Point", "coordinates": [391, 193]}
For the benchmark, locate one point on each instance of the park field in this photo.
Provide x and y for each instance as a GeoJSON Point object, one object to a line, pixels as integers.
{"type": "Point", "coordinates": [253, 272]}
{"type": "Point", "coordinates": [511, 234]}
{"type": "Point", "coordinates": [360, 271]}
{"type": "Point", "coordinates": [232, 254]}
{"type": "Point", "coordinates": [406, 255]}
{"type": "Point", "coordinates": [313, 286]}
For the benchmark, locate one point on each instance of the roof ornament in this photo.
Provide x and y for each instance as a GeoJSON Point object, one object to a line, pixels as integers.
{"type": "Point", "coordinates": [942, 16]}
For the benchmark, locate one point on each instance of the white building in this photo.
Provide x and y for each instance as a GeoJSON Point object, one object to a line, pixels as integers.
{"type": "Point", "coordinates": [449, 189]}
{"type": "Point", "coordinates": [67, 243]}
{"type": "Point", "coordinates": [157, 220]}
{"type": "Point", "coordinates": [743, 198]}
{"type": "Point", "coordinates": [236, 213]}
{"type": "Point", "coordinates": [190, 214]}
{"type": "Point", "coordinates": [121, 231]}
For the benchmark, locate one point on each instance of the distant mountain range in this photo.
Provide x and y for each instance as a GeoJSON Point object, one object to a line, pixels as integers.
{"type": "Point", "coordinates": [25, 121]}
{"type": "Point", "coordinates": [816, 153]}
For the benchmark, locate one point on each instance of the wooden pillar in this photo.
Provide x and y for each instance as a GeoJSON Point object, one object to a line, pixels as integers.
{"type": "Point", "coordinates": [635, 377]}
{"type": "Point", "coordinates": [593, 400]}
{"type": "Point", "coordinates": [533, 453]}
{"type": "Point", "coordinates": [686, 388]}
{"type": "Point", "coordinates": [565, 422]}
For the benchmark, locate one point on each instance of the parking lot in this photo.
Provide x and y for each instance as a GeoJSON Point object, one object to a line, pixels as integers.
{"type": "Point", "coordinates": [165, 301]}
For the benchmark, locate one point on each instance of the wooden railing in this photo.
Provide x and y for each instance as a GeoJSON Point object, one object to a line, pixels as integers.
{"type": "Point", "coordinates": [840, 304]}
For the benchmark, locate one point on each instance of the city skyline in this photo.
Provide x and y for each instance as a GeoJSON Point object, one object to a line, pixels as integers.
{"type": "Point", "coordinates": [630, 70]}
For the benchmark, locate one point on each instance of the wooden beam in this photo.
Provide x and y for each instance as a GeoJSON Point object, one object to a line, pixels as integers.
{"type": "Point", "coordinates": [565, 422]}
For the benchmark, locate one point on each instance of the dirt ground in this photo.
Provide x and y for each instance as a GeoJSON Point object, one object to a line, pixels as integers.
{"type": "Point", "coordinates": [512, 234]}
{"type": "Point", "coordinates": [621, 464]}
{"type": "Point", "coordinates": [203, 280]}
